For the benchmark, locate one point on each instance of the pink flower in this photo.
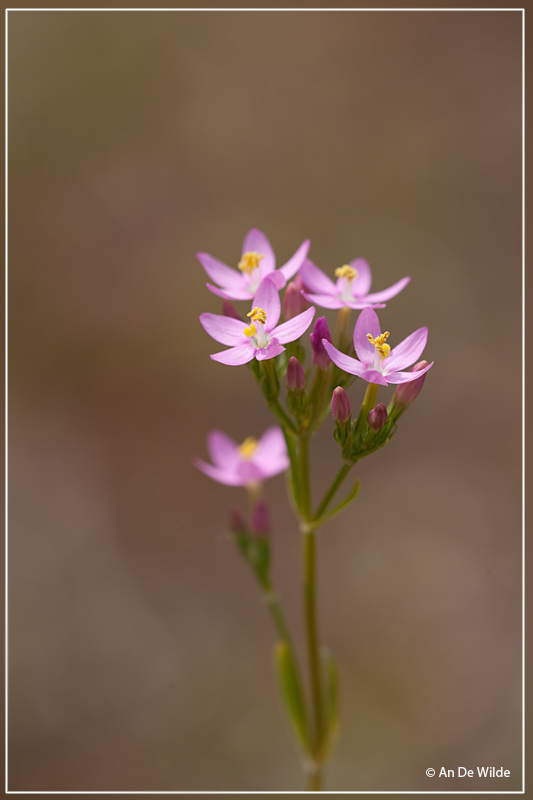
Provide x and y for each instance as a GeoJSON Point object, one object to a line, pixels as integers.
{"type": "Point", "coordinates": [352, 287]}
{"type": "Point", "coordinates": [257, 261]}
{"type": "Point", "coordinates": [377, 362]}
{"type": "Point", "coordinates": [251, 462]}
{"type": "Point", "coordinates": [260, 339]}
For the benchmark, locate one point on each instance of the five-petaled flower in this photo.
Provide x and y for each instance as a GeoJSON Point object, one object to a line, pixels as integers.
{"type": "Point", "coordinates": [261, 339]}
{"type": "Point", "coordinates": [378, 363]}
{"type": "Point", "coordinates": [257, 261]}
{"type": "Point", "coordinates": [249, 463]}
{"type": "Point", "coordinates": [351, 289]}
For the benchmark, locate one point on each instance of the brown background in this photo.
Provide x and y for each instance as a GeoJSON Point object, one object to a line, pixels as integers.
{"type": "Point", "coordinates": [140, 651]}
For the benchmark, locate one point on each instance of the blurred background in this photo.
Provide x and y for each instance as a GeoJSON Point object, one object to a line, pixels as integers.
{"type": "Point", "coordinates": [140, 650]}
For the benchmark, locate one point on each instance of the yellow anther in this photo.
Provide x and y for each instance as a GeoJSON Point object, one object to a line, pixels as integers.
{"type": "Point", "coordinates": [251, 331]}
{"type": "Point", "coordinates": [346, 272]}
{"type": "Point", "coordinates": [250, 261]}
{"type": "Point", "coordinates": [258, 315]}
{"type": "Point", "coordinates": [248, 447]}
{"type": "Point", "coordinates": [379, 343]}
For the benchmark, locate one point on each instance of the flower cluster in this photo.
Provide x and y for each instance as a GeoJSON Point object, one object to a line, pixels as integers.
{"type": "Point", "coordinates": [275, 354]}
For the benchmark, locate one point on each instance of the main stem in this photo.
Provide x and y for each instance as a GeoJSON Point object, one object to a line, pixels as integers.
{"type": "Point", "coordinates": [311, 626]}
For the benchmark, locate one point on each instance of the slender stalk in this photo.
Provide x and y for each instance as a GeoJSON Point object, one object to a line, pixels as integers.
{"type": "Point", "coordinates": [332, 491]}
{"type": "Point", "coordinates": [369, 401]}
{"type": "Point", "coordinates": [277, 615]}
{"type": "Point", "coordinates": [340, 333]}
{"type": "Point", "coordinates": [305, 488]}
{"type": "Point", "coordinates": [314, 779]}
{"type": "Point", "coordinates": [311, 628]}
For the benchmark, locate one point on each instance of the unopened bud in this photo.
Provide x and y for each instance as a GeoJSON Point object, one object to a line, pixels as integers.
{"type": "Point", "coordinates": [320, 331]}
{"type": "Point", "coordinates": [407, 392]}
{"type": "Point", "coordinates": [229, 310]}
{"type": "Point", "coordinates": [340, 406]}
{"type": "Point", "coordinates": [295, 376]}
{"type": "Point", "coordinates": [237, 523]}
{"type": "Point", "coordinates": [260, 522]}
{"type": "Point", "coordinates": [377, 417]}
{"type": "Point", "coordinates": [292, 302]}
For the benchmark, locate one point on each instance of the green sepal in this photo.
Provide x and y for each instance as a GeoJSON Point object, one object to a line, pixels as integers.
{"type": "Point", "coordinates": [291, 692]}
{"type": "Point", "coordinates": [256, 550]}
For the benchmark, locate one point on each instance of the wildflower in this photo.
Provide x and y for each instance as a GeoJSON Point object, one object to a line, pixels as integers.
{"type": "Point", "coordinates": [249, 463]}
{"type": "Point", "coordinates": [340, 406]}
{"type": "Point", "coordinates": [378, 363]}
{"type": "Point", "coordinates": [320, 334]}
{"type": "Point", "coordinates": [405, 394]}
{"type": "Point", "coordinates": [260, 339]}
{"type": "Point", "coordinates": [378, 416]}
{"type": "Point", "coordinates": [295, 376]}
{"type": "Point", "coordinates": [257, 261]}
{"type": "Point", "coordinates": [351, 289]}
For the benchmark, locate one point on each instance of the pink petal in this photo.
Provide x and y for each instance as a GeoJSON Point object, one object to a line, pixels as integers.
{"type": "Point", "coordinates": [270, 351]}
{"type": "Point", "coordinates": [362, 303]}
{"type": "Point", "coordinates": [225, 330]}
{"type": "Point", "coordinates": [267, 298]}
{"type": "Point", "coordinates": [315, 280]}
{"type": "Point", "coordinates": [219, 272]}
{"type": "Point", "coordinates": [324, 300]}
{"type": "Point", "coordinates": [278, 279]}
{"type": "Point", "coordinates": [367, 322]}
{"type": "Point", "coordinates": [249, 472]}
{"type": "Point", "coordinates": [291, 267]}
{"type": "Point", "coordinates": [373, 376]}
{"type": "Point", "coordinates": [407, 352]}
{"type": "Point", "coordinates": [295, 327]}
{"type": "Point", "coordinates": [218, 474]}
{"type": "Point", "coordinates": [343, 361]}
{"type": "Point", "coordinates": [386, 294]}
{"type": "Point", "coordinates": [231, 294]}
{"type": "Point", "coordinates": [224, 452]}
{"type": "Point", "coordinates": [256, 241]}
{"type": "Point", "coordinates": [235, 356]}
{"type": "Point", "coordinates": [405, 377]}
{"type": "Point", "coordinates": [271, 452]}
{"type": "Point", "coordinates": [361, 285]}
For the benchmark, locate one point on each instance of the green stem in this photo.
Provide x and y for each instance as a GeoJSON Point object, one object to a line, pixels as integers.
{"type": "Point", "coordinates": [340, 333]}
{"type": "Point", "coordinates": [277, 615]}
{"type": "Point", "coordinates": [305, 489]}
{"type": "Point", "coordinates": [332, 491]}
{"type": "Point", "coordinates": [314, 778]}
{"type": "Point", "coordinates": [369, 401]}
{"type": "Point", "coordinates": [311, 627]}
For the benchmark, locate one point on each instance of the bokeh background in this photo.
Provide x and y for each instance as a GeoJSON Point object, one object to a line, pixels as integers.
{"type": "Point", "coordinates": [140, 651]}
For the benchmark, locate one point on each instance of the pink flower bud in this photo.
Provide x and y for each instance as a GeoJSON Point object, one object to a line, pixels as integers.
{"type": "Point", "coordinates": [377, 417]}
{"type": "Point", "coordinates": [295, 375]}
{"type": "Point", "coordinates": [229, 310]}
{"type": "Point", "coordinates": [407, 392]}
{"type": "Point", "coordinates": [340, 406]}
{"type": "Point", "coordinates": [237, 522]}
{"type": "Point", "coordinates": [320, 331]}
{"type": "Point", "coordinates": [292, 302]}
{"type": "Point", "coordinates": [260, 522]}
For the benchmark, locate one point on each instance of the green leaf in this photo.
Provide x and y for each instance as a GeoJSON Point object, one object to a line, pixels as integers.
{"type": "Point", "coordinates": [291, 691]}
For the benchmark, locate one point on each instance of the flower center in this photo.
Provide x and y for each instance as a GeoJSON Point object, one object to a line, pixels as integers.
{"type": "Point", "coordinates": [250, 261]}
{"type": "Point", "coordinates": [346, 272]}
{"type": "Point", "coordinates": [248, 447]}
{"type": "Point", "coordinates": [379, 343]}
{"type": "Point", "coordinates": [257, 332]}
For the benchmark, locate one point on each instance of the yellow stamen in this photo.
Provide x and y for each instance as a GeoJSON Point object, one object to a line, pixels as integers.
{"type": "Point", "coordinates": [251, 331]}
{"type": "Point", "coordinates": [250, 261]}
{"type": "Point", "coordinates": [258, 315]}
{"type": "Point", "coordinates": [248, 447]}
{"type": "Point", "coordinates": [346, 272]}
{"type": "Point", "coordinates": [379, 343]}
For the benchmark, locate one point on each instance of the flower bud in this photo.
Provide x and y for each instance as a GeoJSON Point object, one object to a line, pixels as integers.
{"type": "Point", "coordinates": [407, 392]}
{"type": "Point", "coordinates": [292, 302]}
{"type": "Point", "coordinates": [260, 522]}
{"type": "Point", "coordinates": [340, 406]}
{"type": "Point", "coordinates": [295, 376]}
{"type": "Point", "coordinates": [229, 310]}
{"type": "Point", "coordinates": [320, 331]}
{"type": "Point", "coordinates": [377, 417]}
{"type": "Point", "coordinates": [237, 523]}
